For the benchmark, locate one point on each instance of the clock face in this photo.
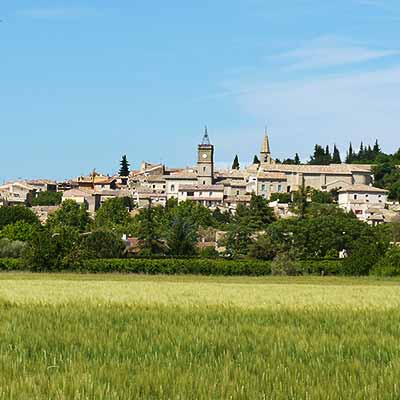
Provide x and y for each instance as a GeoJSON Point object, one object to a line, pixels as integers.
{"type": "Point", "coordinates": [205, 156]}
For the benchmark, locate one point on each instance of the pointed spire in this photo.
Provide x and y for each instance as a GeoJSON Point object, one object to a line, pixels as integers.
{"type": "Point", "coordinates": [206, 139]}
{"type": "Point", "coordinates": [265, 147]}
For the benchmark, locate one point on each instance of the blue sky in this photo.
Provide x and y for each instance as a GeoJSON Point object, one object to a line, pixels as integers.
{"type": "Point", "coordinates": [84, 82]}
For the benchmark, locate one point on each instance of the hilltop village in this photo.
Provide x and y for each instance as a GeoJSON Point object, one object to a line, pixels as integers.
{"type": "Point", "coordinates": [155, 184]}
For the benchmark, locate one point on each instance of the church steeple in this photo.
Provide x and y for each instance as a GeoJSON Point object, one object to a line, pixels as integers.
{"type": "Point", "coordinates": [205, 161]}
{"type": "Point", "coordinates": [266, 150]}
{"type": "Point", "coordinates": [265, 147]}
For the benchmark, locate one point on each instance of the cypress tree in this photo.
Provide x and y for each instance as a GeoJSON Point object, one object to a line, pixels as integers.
{"type": "Point", "coordinates": [336, 155]}
{"type": "Point", "coordinates": [297, 159]}
{"type": "Point", "coordinates": [124, 170]}
{"type": "Point", "coordinates": [235, 164]}
{"type": "Point", "coordinates": [256, 160]}
{"type": "Point", "coordinates": [376, 149]}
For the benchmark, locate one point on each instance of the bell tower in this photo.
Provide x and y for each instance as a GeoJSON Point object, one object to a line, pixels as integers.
{"type": "Point", "coordinates": [266, 151]}
{"type": "Point", "coordinates": [205, 161]}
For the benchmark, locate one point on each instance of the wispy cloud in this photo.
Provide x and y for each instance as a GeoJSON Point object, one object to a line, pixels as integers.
{"type": "Point", "coordinates": [57, 12]}
{"type": "Point", "coordinates": [326, 52]}
{"type": "Point", "coordinates": [340, 108]}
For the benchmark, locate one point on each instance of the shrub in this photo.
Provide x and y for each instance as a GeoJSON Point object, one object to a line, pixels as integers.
{"type": "Point", "coordinates": [20, 230]}
{"type": "Point", "coordinates": [47, 199]}
{"type": "Point", "coordinates": [11, 248]}
{"type": "Point", "coordinates": [103, 244]}
{"type": "Point", "coordinates": [389, 265]}
{"type": "Point", "coordinates": [286, 264]}
{"type": "Point", "coordinates": [208, 252]}
{"type": "Point", "coordinates": [12, 214]}
{"type": "Point", "coordinates": [11, 264]}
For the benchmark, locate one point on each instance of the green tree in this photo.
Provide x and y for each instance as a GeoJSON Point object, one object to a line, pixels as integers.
{"type": "Point", "coordinates": [113, 212]}
{"type": "Point", "coordinates": [259, 214]}
{"type": "Point", "coordinates": [70, 214]}
{"type": "Point", "coordinates": [47, 199]}
{"type": "Point", "coordinates": [11, 248]}
{"type": "Point", "coordinates": [336, 159]}
{"type": "Point", "coordinates": [103, 244]}
{"type": "Point", "coordinates": [149, 233]}
{"type": "Point", "coordinates": [256, 160]}
{"type": "Point", "coordinates": [317, 196]}
{"type": "Point", "coordinates": [124, 170]}
{"type": "Point", "coordinates": [300, 202]}
{"type": "Point", "coordinates": [181, 237]}
{"type": "Point", "coordinates": [235, 164]}
{"type": "Point", "coordinates": [297, 159]}
{"type": "Point", "coordinates": [11, 215]}
{"type": "Point", "coordinates": [20, 231]}
{"type": "Point", "coordinates": [49, 249]}
{"type": "Point", "coordinates": [263, 248]}
{"type": "Point", "coordinates": [238, 238]}
{"type": "Point", "coordinates": [281, 197]}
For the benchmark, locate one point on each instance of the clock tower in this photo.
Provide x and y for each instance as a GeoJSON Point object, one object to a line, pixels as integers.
{"type": "Point", "coordinates": [205, 161]}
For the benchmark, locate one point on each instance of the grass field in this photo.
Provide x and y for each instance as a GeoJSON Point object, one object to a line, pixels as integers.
{"type": "Point", "coordinates": [130, 337]}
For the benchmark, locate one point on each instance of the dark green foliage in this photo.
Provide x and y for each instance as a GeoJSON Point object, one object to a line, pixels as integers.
{"type": "Point", "coordinates": [221, 218]}
{"type": "Point", "coordinates": [387, 176]}
{"type": "Point", "coordinates": [21, 231]}
{"type": "Point", "coordinates": [208, 252]}
{"type": "Point", "coordinates": [256, 160]}
{"type": "Point", "coordinates": [49, 249]}
{"type": "Point", "coordinates": [300, 202]}
{"type": "Point", "coordinates": [70, 214]}
{"type": "Point", "coordinates": [47, 199]}
{"type": "Point", "coordinates": [11, 215]}
{"type": "Point", "coordinates": [235, 164]}
{"type": "Point", "coordinates": [389, 265]}
{"type": "Point", "coordinates": [238, 237]}
{"type": "Point", "coordinates": [124, 170]}
{"type": "Point", "coordinates": [297, 159]}
{"type": "Point", "coordinates": [258, 215]}
{"type": "Point", "coordinates": [323, 231]}
{"type": "Point", "coordinates": [336, 159]}
{"type": "Point", "coordinates": [149, 232]}
{"type": "Point", "coordinates": [321, 156]}
{"type": "Point", "coordinates": [113, 212]}
{"type": "Point", "coordinates": [317, 196]}
{"type": "Point", "coordinates": [102, 244]}
{"type": "Point", "coordinates": [362, 258]}
{"type": "Point", "coordinates": [281, 197]}
{"type": "Point", "coordinates": [181, 236]}
{"type": "Point", "coordinates": [12, 264]}
{"type": "Point", "coordinates": [263, 248]}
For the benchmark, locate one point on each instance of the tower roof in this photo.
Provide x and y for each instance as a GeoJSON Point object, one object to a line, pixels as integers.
{"type": "Point", "coordinates": [265, 146]}
{"type": "Point", "coordinates": [206, 139]}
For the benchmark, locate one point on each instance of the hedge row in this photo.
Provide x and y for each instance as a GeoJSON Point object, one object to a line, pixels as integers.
{"type": "Point", "coordinates": [183, 266]}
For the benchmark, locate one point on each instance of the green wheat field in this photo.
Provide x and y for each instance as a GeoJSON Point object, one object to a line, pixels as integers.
{"type": "Point", "coordinates": [66, 336]}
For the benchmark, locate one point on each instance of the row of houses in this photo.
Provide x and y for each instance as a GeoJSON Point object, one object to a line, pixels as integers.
{"type": "Point", "coordinates": [154, 184]}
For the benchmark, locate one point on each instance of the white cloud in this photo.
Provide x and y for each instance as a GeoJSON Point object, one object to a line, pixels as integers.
{"type": "Point", "coordinates": [324, 110]}
{"type": "Point", "coordinates": [328, 51]}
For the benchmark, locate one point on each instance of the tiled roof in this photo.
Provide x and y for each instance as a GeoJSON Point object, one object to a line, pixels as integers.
{"type": "Point", "coordinates": [201, 188]}
{"type": "Point", "coordinates": [183, 176]}
{"type": "Point", "coordinates": [272, 175]}
{"type": "Point", "coordinates": [332, 169]}
{"type": "Point", "coordinates": [362, 188]}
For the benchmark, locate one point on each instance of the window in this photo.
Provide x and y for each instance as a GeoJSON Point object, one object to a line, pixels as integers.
{"type": "Point", "coordinates": [154, 186]}
{"type": "Point", "coordinates": [237, 192]}
{"type": "Point", "coordinates": [210, 194]}
{"type": "Point", "coordinates": [172, 188]}
{"type": "Point", "coordinates": [204, 182]}
{"type": "Point", "coordinates": [279, 188]}
{"type": "Point", "coordinates": [263, 187]}
{"type": "Point", "coordinates": [190, 193]}
{"type": "Point", "coordinates": [355, 197]}
{"type": "Point", "coordinates": [204, 169]}
{"type": "Point", "coordinates": [200, 193]}
{"type": "Point", "coordinates": [271, 187]}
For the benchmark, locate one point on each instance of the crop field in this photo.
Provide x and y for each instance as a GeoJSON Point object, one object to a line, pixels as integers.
{"type": "Point", "coordinates": [138, 337]}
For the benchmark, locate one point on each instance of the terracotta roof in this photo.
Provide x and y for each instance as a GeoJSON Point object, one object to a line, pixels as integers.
{"type": "Point", "coordinates": [272, 175]}
{"type": "Point", "coordinates": [362, 188]}
{"type": "Point", "coordinates": [78, 193]}
{"type": "Point", "coordinates": [332, 169]}
{"type": "Point", "coordinates": [183, 176]}
{"type": "Point", "coordinates": [201, 188]}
